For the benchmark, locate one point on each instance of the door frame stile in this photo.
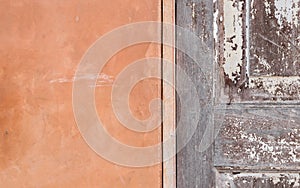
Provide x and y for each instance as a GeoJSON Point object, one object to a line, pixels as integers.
{"type": "Point", "coordinates": [169, 97]}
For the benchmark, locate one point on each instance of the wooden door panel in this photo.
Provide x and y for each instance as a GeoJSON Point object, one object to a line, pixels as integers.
{"type": "Point", "coordinates": [258, 49]}
{"type": "Point", "coordinates": [274, 38]}
{"type": "Point", "coordinates": [255, 83]}
{"type": "Point", "coordinates": [260, 179]}
{"type": "Point", "coordinates": [257, 66]}
{"type": "Point", "coordinates": [259, 138]}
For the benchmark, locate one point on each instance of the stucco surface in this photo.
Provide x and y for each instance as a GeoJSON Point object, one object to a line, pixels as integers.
{"type": "Point", "coordinates": [42, 43]}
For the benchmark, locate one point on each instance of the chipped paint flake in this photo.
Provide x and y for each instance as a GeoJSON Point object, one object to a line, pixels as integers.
{"type": "Point", "coordinates": [262, 141]}
{"type": "Point", "coordinates": [268, 7]}
{"type": "Point", "coordinates": [287, 10]}
{"type": "Point", "coordinates": [259, 179]}
{"type": "Point", "coordinates": [277, 86]}
{"type": "Point", "coordinates": [233, 38]}
{"type": "Point", "coordinates": [258, 49]}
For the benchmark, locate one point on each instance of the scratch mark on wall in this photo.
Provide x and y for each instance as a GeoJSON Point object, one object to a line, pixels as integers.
{"type": "Point", "coordinates": [102, 79]}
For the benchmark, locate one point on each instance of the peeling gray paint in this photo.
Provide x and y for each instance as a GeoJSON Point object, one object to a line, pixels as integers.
{"type": "Point", "coordinates": [258, 47]}
{"type": "Point", "coordinates": [233, 39]}
{"type": "Point", "coordinates": [259, 140]}
{"type": "Point", "coordinates": [258, 144]}
{"type": "Point", "coordinates": [277, 86]}
{"type": "Point", "coordinates": [247, 180]}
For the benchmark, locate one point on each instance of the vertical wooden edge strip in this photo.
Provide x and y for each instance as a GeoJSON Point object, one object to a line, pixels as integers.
{"type": "Point", "coordinates": [194, 162]}
{"type": "Point", "coordinates": [169, 116]}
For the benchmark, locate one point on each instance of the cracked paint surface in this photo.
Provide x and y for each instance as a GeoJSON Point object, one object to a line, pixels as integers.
{"type": "Point", "coordinates": [283, 87]}
{"type": "Point", "coordinates": [274, 38]}
{"type": "Point", "coordinates": [233, 35]}
{"type": "Point", "coordinates": [258, 47]}
{"type": "Point", "coordinates": [258, 140]}
{"type": "Point", "coordinates": [246, 180]}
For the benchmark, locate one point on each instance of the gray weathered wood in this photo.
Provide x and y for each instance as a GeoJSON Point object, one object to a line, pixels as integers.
{"type": "Point", "coordinates": [263, 180]}
{"type": "Point", "coordinates": [195, 168]}
{"type": "Point", "coordinates": [274, 38]}
{"type": "Point", "coordinates": [258, 50]}
{"type": "Point", "coordinates": [258, 78]}
{"type": "Point", "coordinates": [259, 137]}
{"type": "Point", "coordinates": [258, 144]}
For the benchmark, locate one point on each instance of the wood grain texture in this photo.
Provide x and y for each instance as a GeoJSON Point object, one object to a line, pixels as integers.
{"type": "Point", "coordinates": [265, 138]}
{"type": "Point", "coordinates": [194, 168]}
{"type": "Point", "coordinates": [274, 38]}
{"type": "Point", "coordinates": [258, 50]}
{"type": "Point", "coordinates": [256, 45]}
{"type": "Point", "coordinates": [268, 180]}
{"type": "Point", "coordinates": [260, 131]}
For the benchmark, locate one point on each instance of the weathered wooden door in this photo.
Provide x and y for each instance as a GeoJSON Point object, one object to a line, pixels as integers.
{"type": "Point", "coordinates": [250, 81]}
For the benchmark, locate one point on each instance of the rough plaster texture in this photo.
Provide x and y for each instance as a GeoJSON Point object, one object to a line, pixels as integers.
{"type": "Point", "coordinates": [42, 42]}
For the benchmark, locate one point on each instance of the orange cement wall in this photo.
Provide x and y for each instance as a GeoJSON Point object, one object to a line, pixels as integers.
{"type": "Point", "coordinates": [42, 42]}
